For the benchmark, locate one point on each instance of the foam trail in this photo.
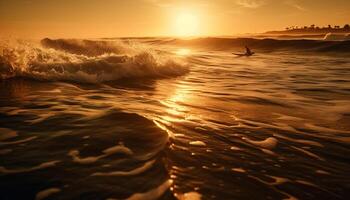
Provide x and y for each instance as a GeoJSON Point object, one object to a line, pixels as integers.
{"type": "Point", "coordinates": [75, 154]}
{"type": "Point", "coordinates": [190, 196]}
{"type": "Point", "coordinates": [133, 172]}
{"type": "Point", "coordinates": [41, 166]}
{"type": "Point", "coordinates": [268, 143]}
{"type": "Point", "coordinates": [238, 169]}
{"type": "Point", "coordinates": [197, 143]}
{"type": "Point", "coordinates": [308, 153]}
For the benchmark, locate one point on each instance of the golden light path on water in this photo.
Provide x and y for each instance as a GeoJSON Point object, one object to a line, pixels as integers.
{"type": "Point", "coordinates": [176, 111]}
{"type": "Point", "coordinates": [183, 52]}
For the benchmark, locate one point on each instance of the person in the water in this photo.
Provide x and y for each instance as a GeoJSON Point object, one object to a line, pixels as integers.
{"type": "Point", "coordinates": [248, 52]}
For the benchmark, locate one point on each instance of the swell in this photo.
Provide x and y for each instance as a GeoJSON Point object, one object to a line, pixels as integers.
{"type": "Point", "coordinates": [267, 44]}
{"type": "Point", "coordinates": [86, 61]}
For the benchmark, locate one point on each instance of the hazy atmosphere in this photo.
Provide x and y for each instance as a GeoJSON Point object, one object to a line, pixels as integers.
{"type": "Point", "coordinates": [117, 18]}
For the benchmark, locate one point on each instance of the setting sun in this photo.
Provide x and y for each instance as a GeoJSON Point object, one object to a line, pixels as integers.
{"type": "Point", "coordinates": [186, 24]}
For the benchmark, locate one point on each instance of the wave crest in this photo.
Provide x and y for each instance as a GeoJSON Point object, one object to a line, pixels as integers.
{"type": "Point", "coordinates": [84, 61]}
{"type": "Point", "coordinates": [85, 47]}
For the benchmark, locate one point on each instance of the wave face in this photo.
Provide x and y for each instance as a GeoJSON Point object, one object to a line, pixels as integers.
{"type": "Point", "coordinates": [268, 44]}
{"type": "Point", "coordinates": [85, 61]}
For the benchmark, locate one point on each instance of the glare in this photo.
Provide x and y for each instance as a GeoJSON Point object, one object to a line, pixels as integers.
{"type": "Point", "coordinates": [186, 24]}
{"type": "Point", "coordinates": [183, 52]}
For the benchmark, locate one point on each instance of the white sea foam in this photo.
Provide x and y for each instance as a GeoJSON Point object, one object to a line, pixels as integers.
{"type": "Point", "coordinates": [132, 172]}
{"type": "Point", "coordinates": [35, 61]}
{"type": "Point", "coordinates": [268, 143]}
{"type": "Point", "coordinates": [238, 169]}
{"type": "Point", "coordinates": [197, 143]}
{"type": "Point", "coordinates": [75, 154]}
{"type": "Point", "coordinates": [189, 196]}
{"type": "Point", "coordinates": [118, 149]}
{"type": "Point", "coordinates": [308, 153]}
{"type": "Point", "coordinates": [336, 37]}
{"type": "Point", "coordinates": [44, 165]}
{"type": "Point", "coordinates": [87, 160]}
{"type": "Point", "coordinates": [235, 148]}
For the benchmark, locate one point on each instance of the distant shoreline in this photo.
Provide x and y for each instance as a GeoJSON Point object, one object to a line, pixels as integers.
{"type": "Point", "coordinates": [311, 31]}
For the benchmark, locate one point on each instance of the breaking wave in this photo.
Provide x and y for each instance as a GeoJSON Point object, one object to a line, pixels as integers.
{"type": "Point", "coordinates": [336, 37]}
{"type": "Point", "coordinates": [85, 47]}
{"type": "Point", "coordinates": [85, 61]}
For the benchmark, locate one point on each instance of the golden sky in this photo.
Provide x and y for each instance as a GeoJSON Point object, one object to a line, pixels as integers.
{"type": "Point", "coordinates": [119, 18]}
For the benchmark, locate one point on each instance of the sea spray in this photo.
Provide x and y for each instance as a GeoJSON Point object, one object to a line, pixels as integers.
{"type": "Point", "coordinates": [86, 61]}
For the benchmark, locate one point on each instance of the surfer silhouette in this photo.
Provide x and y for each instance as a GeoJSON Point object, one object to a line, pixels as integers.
{"type": "Point", "coordinates": [248, 52]}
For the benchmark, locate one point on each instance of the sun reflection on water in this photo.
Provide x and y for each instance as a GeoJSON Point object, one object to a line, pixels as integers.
{"type": "Point", "coordinates": [183, 52]}
{"type": "Point", "coordinates": [174, 109]}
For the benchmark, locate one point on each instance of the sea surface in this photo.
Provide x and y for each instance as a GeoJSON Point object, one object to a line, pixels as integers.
{"type": "Point", "coordinates": [167, 118]}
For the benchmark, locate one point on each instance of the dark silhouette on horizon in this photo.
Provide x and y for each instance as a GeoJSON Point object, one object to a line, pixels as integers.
{"type": "Point", "coordinates": [313, 29]}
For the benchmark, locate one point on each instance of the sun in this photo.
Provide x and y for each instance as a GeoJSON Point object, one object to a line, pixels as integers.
{"type": "Point", "coordinates": [186, 24]}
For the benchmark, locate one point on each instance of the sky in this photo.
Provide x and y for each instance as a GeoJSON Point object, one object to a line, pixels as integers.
{"type": "Point", "coordinates": [137, 18]}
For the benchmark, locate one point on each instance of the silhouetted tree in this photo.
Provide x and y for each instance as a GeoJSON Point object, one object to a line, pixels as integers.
{"type": "Point", "coordinates": [313, 27]}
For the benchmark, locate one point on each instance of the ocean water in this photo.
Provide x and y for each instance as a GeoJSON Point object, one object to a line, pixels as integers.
{"type": "Point", "coordinates": [165, 118]}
